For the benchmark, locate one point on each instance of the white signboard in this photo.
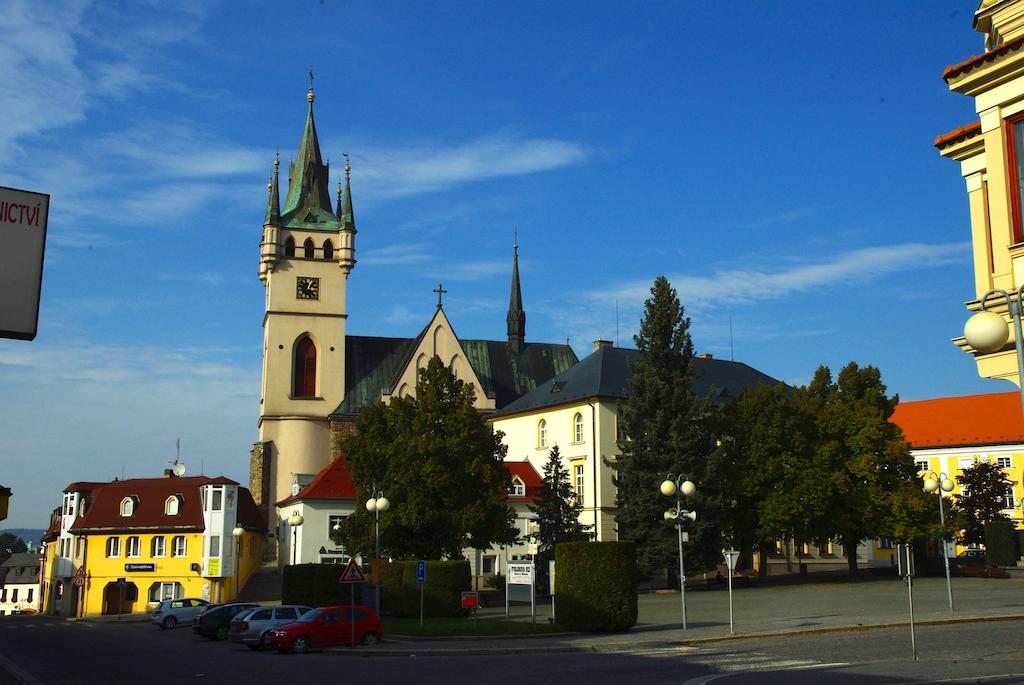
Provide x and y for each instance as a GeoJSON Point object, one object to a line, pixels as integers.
{"type": "Point", "coordinates": [23, 217]}
{"type": "Point", "coordinates": [520, 574]}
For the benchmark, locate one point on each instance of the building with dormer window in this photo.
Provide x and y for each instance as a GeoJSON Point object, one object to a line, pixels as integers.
{"type": "Point", "coordinates": [121, 547]}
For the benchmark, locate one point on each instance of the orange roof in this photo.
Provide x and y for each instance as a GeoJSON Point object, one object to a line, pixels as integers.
{"type": "Point", "coordinates": [964, 131]}
{"type": "Point", "coordinates": [994, 419]}
{"type": "Point", "coordinates": [989, 56]}
{"type": "Point", "coordinates": [333, 482]}
{"type": "Point", "coordinates": [531, 479]}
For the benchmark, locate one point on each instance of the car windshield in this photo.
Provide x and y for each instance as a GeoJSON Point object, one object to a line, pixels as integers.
{"type": "Point", "coordinates": [309, 616]}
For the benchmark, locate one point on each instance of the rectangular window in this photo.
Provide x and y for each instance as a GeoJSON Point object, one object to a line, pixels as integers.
{"type": "Point", "coordinates": [965, 462]}
{"type": "Point", "coordinates": [133, 548]}
{"type": "Point", "coordinates": [158, 546]}
{"type": "Point", "coordinates": [518, 489]}
{"type": "Point", "coordinates": [79, 544]}
{"type": "Point", "coordinates": [885, 543]}
{"type": "Point", "coordinates": [178, 546]}
{"type": "Point", "coordinates": [577, 472]}
{"type": "Point", "coordinates": [1004, 462]}
{"type": "Point", "coordinates": [1008, 498]}
{"type": "Point", "coordinates": [921, 464]}
{"type": "Point", "coordinates": [1015, 145]}
{"type": "Point", "coordinates": [218, 496]}
{"type": "Point", "coordinates": [113, 547]}
{"type": "Point", "coordinates": [214, 546]}
{"type": "Point", "coordinates": [487, 568]}
{"type": "Point", "coordinates": [29, 598]}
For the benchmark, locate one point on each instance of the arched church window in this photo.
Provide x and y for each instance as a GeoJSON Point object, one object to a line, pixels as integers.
{"type": "Point", "coordinates": [305, 368]}
{"type": "Point", "coordinates": [308, 249]}
{"type": "Point", "coordinates": [328, 249]}
{"type": "Point", "coordinates": [542, 433]}
{"type": "Point", "coordinates": [289, 247]}
{"type": "Point", "coordinates": [577, 427]}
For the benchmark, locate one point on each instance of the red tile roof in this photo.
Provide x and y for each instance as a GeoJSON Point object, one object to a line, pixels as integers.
{"type": "Point", "coordinates": [104, 504]}
{"type": "Point", "coordinates": [994, 419]}
{"type": "Point", "coordinates": [989, 56]}
{"type": "Point", "coordinates": [531, 479]}
{"type": "Point", "coordinates": [960, 133]}
{"type": "Point", "coordinates": [333, 482]}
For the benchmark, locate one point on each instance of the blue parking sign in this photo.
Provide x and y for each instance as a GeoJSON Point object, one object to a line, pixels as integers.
{"type": "Point", "coordinates": [421, 571]}
{"type": "Point", "coordinates": [121, 582]}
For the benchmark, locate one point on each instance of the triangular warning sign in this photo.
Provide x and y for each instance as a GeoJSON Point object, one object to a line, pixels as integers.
{"type": "Point", "coordinates": [352, 573]}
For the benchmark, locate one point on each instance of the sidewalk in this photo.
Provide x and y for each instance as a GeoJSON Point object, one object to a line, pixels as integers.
{"type": "Point", "coordinates": [759, 611]}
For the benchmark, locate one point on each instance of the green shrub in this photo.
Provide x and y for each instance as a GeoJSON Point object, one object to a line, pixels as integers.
{"type": "Point", "coordinates": [595, 585]}
{"type": "Point", "coordinates": [388, 574]}
{"type": "Point", "coordinates": [317, 585]}
{"type": "Point", "coordinates": [495, 582]}
{"type": "Point", "coordinates": [442, 594]}
{"type": "Point", "coordinates": [1000, 543]}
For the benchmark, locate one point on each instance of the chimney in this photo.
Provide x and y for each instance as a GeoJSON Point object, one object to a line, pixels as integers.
{"type": "Point", "coordinates": [707, 355]}
{"type": "Point", "coordinates": [598, 344]}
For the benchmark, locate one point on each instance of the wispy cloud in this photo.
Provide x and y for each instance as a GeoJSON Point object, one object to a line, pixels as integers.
{"type": "Point", "coordinates": [786, 217]}
{"type": "Point", "coordinates": [423, 167]}
{"type": "Point", "coordinates": [395, 255]}
{"type": "Point", "coordinates": [473, 270]}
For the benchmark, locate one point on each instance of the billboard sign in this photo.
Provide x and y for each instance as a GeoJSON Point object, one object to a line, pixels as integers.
{"type": "Point", "coordinates": [23, 217]}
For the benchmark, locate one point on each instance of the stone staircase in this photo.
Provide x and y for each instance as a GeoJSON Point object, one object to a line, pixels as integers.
{"type": "Point", "coordinates": [263, 587]}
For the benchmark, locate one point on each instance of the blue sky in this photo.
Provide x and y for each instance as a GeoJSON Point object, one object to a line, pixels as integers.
{"type": "Point", "coordinates": [776, 163]}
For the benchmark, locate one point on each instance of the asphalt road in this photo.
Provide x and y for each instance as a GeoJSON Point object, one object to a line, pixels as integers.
{"type": "Point", "coordinates": [38, 650]}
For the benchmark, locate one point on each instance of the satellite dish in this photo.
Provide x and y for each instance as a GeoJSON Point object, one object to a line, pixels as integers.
{"type": "Point", "coordinates": [178, 469]}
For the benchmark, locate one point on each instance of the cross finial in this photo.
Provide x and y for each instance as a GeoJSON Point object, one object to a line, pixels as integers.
{"type": "Point", "coordinates": [515, 239]}
{"type": "Point", "coordinates": [309, 95]}
{"type": "Point", "coordinates": [277, 158]}
{"type": "Point", "coordinates": [440, 291]}
{"type": "Point", "coordinates": [347, 167]}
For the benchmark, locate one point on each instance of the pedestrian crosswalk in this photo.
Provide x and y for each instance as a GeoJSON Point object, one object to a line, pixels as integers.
{"type": "Point", "coordinates": [726, 661]}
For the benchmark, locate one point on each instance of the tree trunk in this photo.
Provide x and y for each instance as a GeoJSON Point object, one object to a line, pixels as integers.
{"type": "Point", "coordinates": [762, 569]}
{"type": "Point", "coordinates": [851, 557]}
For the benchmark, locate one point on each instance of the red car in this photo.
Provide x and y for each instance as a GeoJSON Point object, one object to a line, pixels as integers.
{"type": "Point", "coordinates": [326, 627]}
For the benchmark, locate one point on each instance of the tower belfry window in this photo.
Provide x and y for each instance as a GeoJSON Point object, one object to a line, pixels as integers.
{"type": "Point", "coordinates": [289, 247]}
{"type": "Point", "coordinates": [328, 249]}
{"type": "Point", "coordinates": [305, 368]}
{"type": "Point", "coordinates": [308, 249]}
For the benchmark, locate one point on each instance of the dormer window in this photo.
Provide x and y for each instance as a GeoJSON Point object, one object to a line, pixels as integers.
{"type": "Point", "coordinates": [127, 506]}
{"type": "Point", "coordinates": [172, 505]}
{"type": "Point", "coordinates": [518, 487]}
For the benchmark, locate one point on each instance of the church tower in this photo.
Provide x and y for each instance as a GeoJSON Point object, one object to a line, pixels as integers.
{"type": "Point", "coordinates": [306, 255]}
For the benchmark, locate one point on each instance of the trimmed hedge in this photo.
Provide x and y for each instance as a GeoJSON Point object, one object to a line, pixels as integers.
{"type": "Point", "coordinates": [595, 585]}
{"type": "Point", "coordinates": [1000, 543]}
{"type": "Point", "coordinates": [317, 585]}
{"type": "Point", "coordinates": [388, 574]}
{"type": "Point", "coordinates": [446, 581]}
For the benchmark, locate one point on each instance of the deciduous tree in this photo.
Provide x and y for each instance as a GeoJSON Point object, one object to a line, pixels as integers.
{"type": "Point", "coordinates": [983, 487]}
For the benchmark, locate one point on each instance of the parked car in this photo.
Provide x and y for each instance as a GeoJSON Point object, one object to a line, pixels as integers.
{"type": "Point", "coordinates": [171, 612]}
{"type": "Point", "coordinates": [326, 627]}
{"type": "Point", "coordinates": [250, 627]}
{"type": "Point", "coordinates": [215, 622]}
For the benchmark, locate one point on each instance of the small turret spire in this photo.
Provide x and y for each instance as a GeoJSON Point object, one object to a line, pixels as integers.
{"type": "Point", "coordinates": [345, 213]}
{"type": "Point", "coordinates": [274, 197]}
{"type": "Point", "coordinates": [516, 318]}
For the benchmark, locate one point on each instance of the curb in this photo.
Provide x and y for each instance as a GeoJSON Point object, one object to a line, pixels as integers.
{"type": "Point", "coordinates": [620, 646]}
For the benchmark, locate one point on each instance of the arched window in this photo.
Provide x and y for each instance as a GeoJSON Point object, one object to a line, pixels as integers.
{"type": "Point", "coordinates": [171, 505]}
{"type": "Point", "coordinates": [542, 433]}
{"type": "Point", "coordinates": [305, 368]}
{"type": "Point", "coordinates": [308, 249]}
{"type": "Point", "coordinates": [328, 249]}
{"type": "Point", "coordinates": [289, 247]}
{"type": "Point", "coordinates": [577, 427]}
{"type": "Point", "coordinates": [127, 506]}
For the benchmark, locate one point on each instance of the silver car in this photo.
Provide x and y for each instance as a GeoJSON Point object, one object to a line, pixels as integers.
{"type": "Point", "coordinates": [171, 612]}
{"type": "Point", "coordinates": [250, 627]}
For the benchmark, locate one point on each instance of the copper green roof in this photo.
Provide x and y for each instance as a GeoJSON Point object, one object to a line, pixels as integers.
{"type": "Point", "coordinates": [372, 364]}
{"type": "Point", "coordinates": [606, 374]}
{"type": "Point", "coordinates": [308, 203]}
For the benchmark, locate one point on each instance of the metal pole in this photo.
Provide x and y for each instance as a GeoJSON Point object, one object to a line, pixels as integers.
{"type": "Point", "coordinates": [295, 534]}
{"type": "Point", "coordinates": [352, 610]}
{"type": "Point", "coordinates": [682, 570]}
{"type": "Point", "coordinates": [1014, 308]}
{"type": "Point", "coordinates": [729, 564]}
{"type": "Point", "coordinates": [945, 552]}
{"type": "Point", "coordinates": [377, 580]}
{"type": "Point", "coordinates": [421, 603]}
{"type": "Point", "coordinates": [910, 595]}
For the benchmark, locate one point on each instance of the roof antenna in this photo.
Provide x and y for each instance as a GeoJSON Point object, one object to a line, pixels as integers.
{"type": "Point", "coordinates": [616, 322]}
{"type": "Point", "coordinates": [732, 350]}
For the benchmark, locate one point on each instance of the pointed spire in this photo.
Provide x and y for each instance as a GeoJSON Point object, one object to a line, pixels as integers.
{"type": "Point", "coordinates": [516, 318]}
{"type": "Point", "coordinates": [345, 213]}
{"type": "Point", "coordinates": [308, 192]}
{"type": "Point", "coordinates": [273, 197]}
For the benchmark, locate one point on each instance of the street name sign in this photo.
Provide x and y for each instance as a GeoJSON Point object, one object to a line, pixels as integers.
{"type": "Point", "coordinates": [23, 218]}
{"type": "Point", "coordinates": [132, 568]}
{"type": "Point", "coordinates": [352, 573]}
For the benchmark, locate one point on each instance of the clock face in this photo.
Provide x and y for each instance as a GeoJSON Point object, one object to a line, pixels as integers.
{"type": "Point", "coordinates": [307, 288]}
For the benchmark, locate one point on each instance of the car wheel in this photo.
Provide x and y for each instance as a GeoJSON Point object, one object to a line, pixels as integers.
{"type": "Point", "coordinates": [301, 644]}
{"type": "Point", "coordinates": [222, 633]}
{"type": "Point", "coordinates": [371, 638]}
{"type": "Point", "coordinates": [169, 622]}
{"type": "Point", "coordinates": [264, 642]}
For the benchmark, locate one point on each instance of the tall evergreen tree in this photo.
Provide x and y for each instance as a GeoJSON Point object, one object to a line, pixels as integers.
{"type": "Point", "coordinates": [669, 430]}
{"type": "Point", "coordinates": [556, 507]}
{"type": "Point", "coordinates": [438, 463]}
{"type": "Point", "coordinates": [982, 489]}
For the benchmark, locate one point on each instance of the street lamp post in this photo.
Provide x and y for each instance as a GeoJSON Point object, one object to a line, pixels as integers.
{"type": "Point", "coordinates": [679, 486]}
{"type": "Point", "coordinates": [987, 331]}
{"type": "Point", "coordinates": [295, 520]}
{"type": "Point", "coordinates": [941, 484]}
{"type": "Point", "coordinates": [237, 532]}
{"type": "Point", "coordinates": [375, 505]}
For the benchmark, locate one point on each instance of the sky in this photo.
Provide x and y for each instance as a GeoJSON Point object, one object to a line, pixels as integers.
{"type": "Point", "coordinates": [775, 163]}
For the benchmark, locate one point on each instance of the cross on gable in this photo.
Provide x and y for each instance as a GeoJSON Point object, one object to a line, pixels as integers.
{"type": "Point", "coordinates": [440, 291]}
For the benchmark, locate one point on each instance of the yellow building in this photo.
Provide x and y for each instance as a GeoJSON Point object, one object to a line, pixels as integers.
{"type": "Point", "coordinates": [121, 547]}
{"type": "Point", "coordinates": [991, 156]}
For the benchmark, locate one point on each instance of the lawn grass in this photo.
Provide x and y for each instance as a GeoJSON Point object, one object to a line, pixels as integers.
{"type": "Point", "coordinates": [458, 627]}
